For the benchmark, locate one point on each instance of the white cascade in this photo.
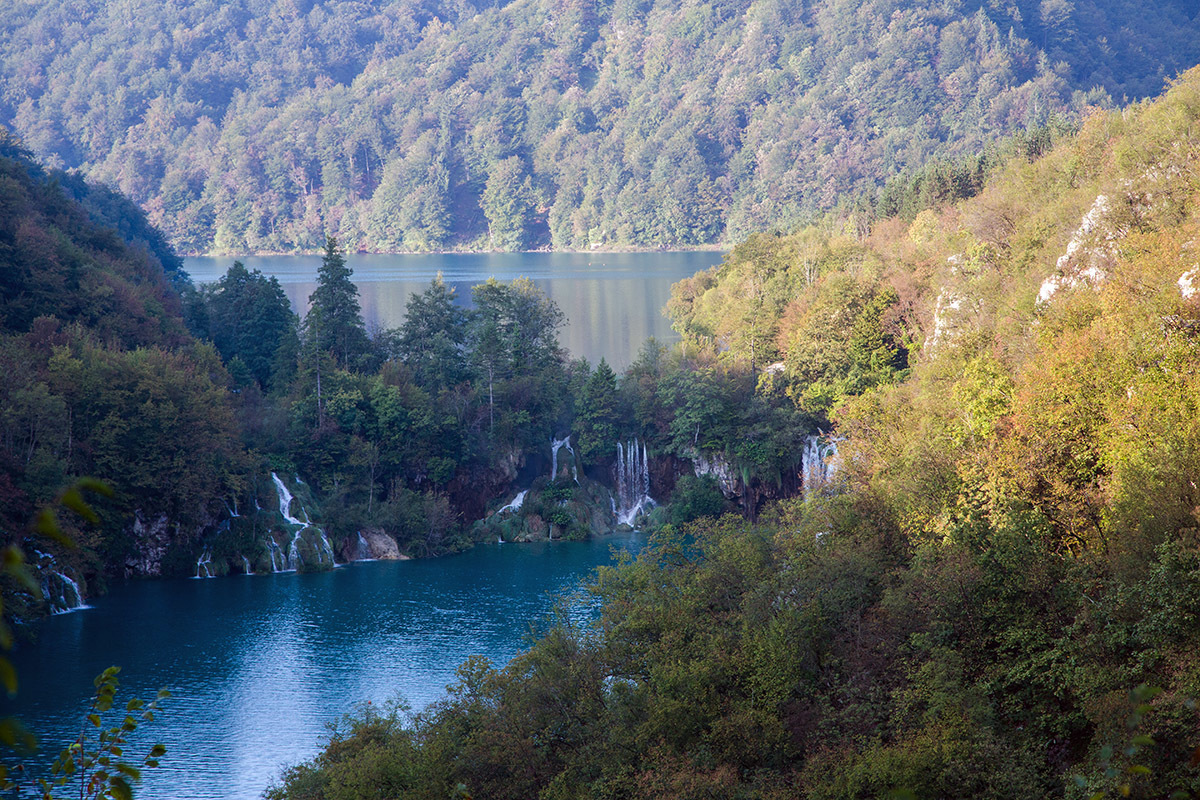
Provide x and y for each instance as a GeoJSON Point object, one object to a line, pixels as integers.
{"type": "Point", "coordinates": [818, 464]}
{"type": "Point", "coordinates": [278, 562]}
{"type": "Point", "coordinates": [555, 446]}
{"type": "Point", "coordinates": [516, 503]}
{"type": "Point", "coordinates": [203, 565]}
{"type": "Point", "coordinates": [60, 592]}
{"type": "Point", "coordinates": [364, 549]}
{"type": "Point", "coordinates": [633, 482]}
{"type": "Point", "coordinates": [233, 512]}
{"type": "Point", "coordinates": [293, 554]}
{"type": "Point", "coordinates": [324, 549]}
{"type": "Point", "coordinates": [285, 502]}
{"type": "Point", "coordinates": [246, 565]}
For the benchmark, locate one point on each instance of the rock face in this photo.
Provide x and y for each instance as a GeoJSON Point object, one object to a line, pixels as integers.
{"type": "Point", "coordinates": [381, 546]}
{"type": "Point", "coordinates": [152, 539]}
{"type": "Point", "coordinates": [716, 465]}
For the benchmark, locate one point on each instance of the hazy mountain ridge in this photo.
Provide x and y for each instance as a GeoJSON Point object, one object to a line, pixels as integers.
{"type": "Point", "coordinates": [260, 126]}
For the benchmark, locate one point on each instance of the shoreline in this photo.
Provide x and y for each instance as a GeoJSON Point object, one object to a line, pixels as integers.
{"type": "Point", "coordinates": [706, 248]}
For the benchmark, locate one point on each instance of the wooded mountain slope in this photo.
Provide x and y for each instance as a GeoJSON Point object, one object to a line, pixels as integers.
{"type": "Point", "coordinates": [100, 375]}
{"type": "Point", "coordinates": [257, 125]}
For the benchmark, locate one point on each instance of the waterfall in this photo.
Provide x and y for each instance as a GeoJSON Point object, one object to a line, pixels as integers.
{"type": "Point", "coordinates": [203, 564]}
{"type": "Point", "coordinates": [325, 551]}
{"type": "Point", "coordinates": [633, 482]}
{"type": "Point", "coordinates": [285, 502]}
{"type": "Point", "coordinates": [323, 548]}
{"type": "Point", "coordinates": [246, 565]}
{"type": "Point", "coordinates": [293, 553]}
{"type": "Point", "coordinates": [364, 549]}
{"type": "Point", "coordinates": [58, 590]}
{"type": "Point", "coordinates": [818, 464]}
{"type": "Point", "coordinates": [277, 564]}
{"type": "Point", "coordinates": [555, 446]}
{"type": "Point", "coordinates": [61, 593]}
{"type": "Point", "coordinates": [233, 512]}
{"type": "Point", "coordinates": [516, 504]}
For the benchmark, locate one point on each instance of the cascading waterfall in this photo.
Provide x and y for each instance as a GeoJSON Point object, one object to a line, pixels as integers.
{"type": "Point", "coordinates": [285, 502]}
{"type": "Point", "coordinates": [555, 446]}
{"type": "Point", "coordinates": [364, 549]}
{"type": "Point", "coordinates": [61, 593]}
{"type": "Point", "coordinates": [278, 563]}
{"type": "Point", "coordinates": [293, 553]}
{"type": "Point", "coordinates": [203, 563]}
{"type": "Point", "coordinates": [516, 503]}
{"type": "Point", "coordinates": [246, 565]}
{"type": "Point", "coordinates": [323, 548]}
{"type": "Point", "coordinates": [818, 464]}
{"type": "Point", "coordinates": [633, 482]}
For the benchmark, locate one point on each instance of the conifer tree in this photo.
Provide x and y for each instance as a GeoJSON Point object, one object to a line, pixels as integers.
{"type": "Point", "coordinates": [334, 322]}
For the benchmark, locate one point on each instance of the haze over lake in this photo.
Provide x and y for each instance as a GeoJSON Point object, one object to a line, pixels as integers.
{"type": "Point", "coordinates": [613, 301]}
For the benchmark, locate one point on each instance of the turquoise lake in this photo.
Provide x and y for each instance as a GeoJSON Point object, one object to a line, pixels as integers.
{"type": "Point", "coordinates": [259, 665]}
{"type": "Point", "coordinates": [613, 301]}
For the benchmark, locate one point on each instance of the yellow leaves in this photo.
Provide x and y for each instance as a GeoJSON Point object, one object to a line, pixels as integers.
{"type": "Point", "coordinates": [923, 228]}
{"type": "Point", "coordinates": [981, 396]}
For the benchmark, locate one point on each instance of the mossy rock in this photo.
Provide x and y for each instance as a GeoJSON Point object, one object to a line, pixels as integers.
{"type": "Point", "coordinates": [535, 528]}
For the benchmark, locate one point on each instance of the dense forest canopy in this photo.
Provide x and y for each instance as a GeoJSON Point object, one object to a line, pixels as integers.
{"type": "Point", "coordinates": [266, 126]}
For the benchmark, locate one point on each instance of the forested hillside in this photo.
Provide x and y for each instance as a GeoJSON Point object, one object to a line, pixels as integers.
{"type": "Point", "coordinates": [265, 126]}
{"type": "Point", "coordinates": [101, 375]}
{"type": "Point", "coordinates": [995, 597]}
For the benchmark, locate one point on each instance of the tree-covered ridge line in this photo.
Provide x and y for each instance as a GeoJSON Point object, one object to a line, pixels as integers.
{"type": "Point", "coordinates": [996, 598]}
{"type": "Point", "coordinates": [259, 126]}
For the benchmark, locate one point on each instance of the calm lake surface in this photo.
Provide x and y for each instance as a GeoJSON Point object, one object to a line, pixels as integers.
{"type": "Point", "coordinates": [613, 301]}
{"type": "Point", "coordinates": [259, 664]}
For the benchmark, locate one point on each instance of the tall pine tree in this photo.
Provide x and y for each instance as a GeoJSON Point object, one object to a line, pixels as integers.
{"type": "Point", "coordinates": [334, 323]}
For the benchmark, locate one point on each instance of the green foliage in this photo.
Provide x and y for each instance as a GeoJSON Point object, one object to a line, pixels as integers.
{"type": "Point", "coordinates": [696, 497]}
{"type": "Point", "coordinates": [597, 416]}
{"type": "Point", "coordinates": [334, 321]}
{"type": "Point", "coordinates": [249, 318]}
{"type": "Point", "coordinates": [1010, 548]}
{"type": "Point", "coordinates": [98, 765]}
{"type": "Point", "coordinates": [432, 340]}
{"type": "Point", "coordinates": [56, 261]}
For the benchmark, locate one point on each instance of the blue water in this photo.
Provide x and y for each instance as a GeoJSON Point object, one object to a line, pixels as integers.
{"type": "Point", "coordinates": [613, 301]}
{"type": "Point", "coordinates": [259, 665]}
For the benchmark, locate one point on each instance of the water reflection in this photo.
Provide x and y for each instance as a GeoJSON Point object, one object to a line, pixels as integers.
{"type": "Point", "coordinates": [613, 301]}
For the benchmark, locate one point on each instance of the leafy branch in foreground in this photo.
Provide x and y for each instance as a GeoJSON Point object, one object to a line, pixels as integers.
{"type": "Point", "coordinates": [14, 567]}
{"type": "Point", "coordinates": [96, 766]}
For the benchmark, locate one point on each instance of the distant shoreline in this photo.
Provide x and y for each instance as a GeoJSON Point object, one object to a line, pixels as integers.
{"type": "Point", "coordinates": [705, 248]}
